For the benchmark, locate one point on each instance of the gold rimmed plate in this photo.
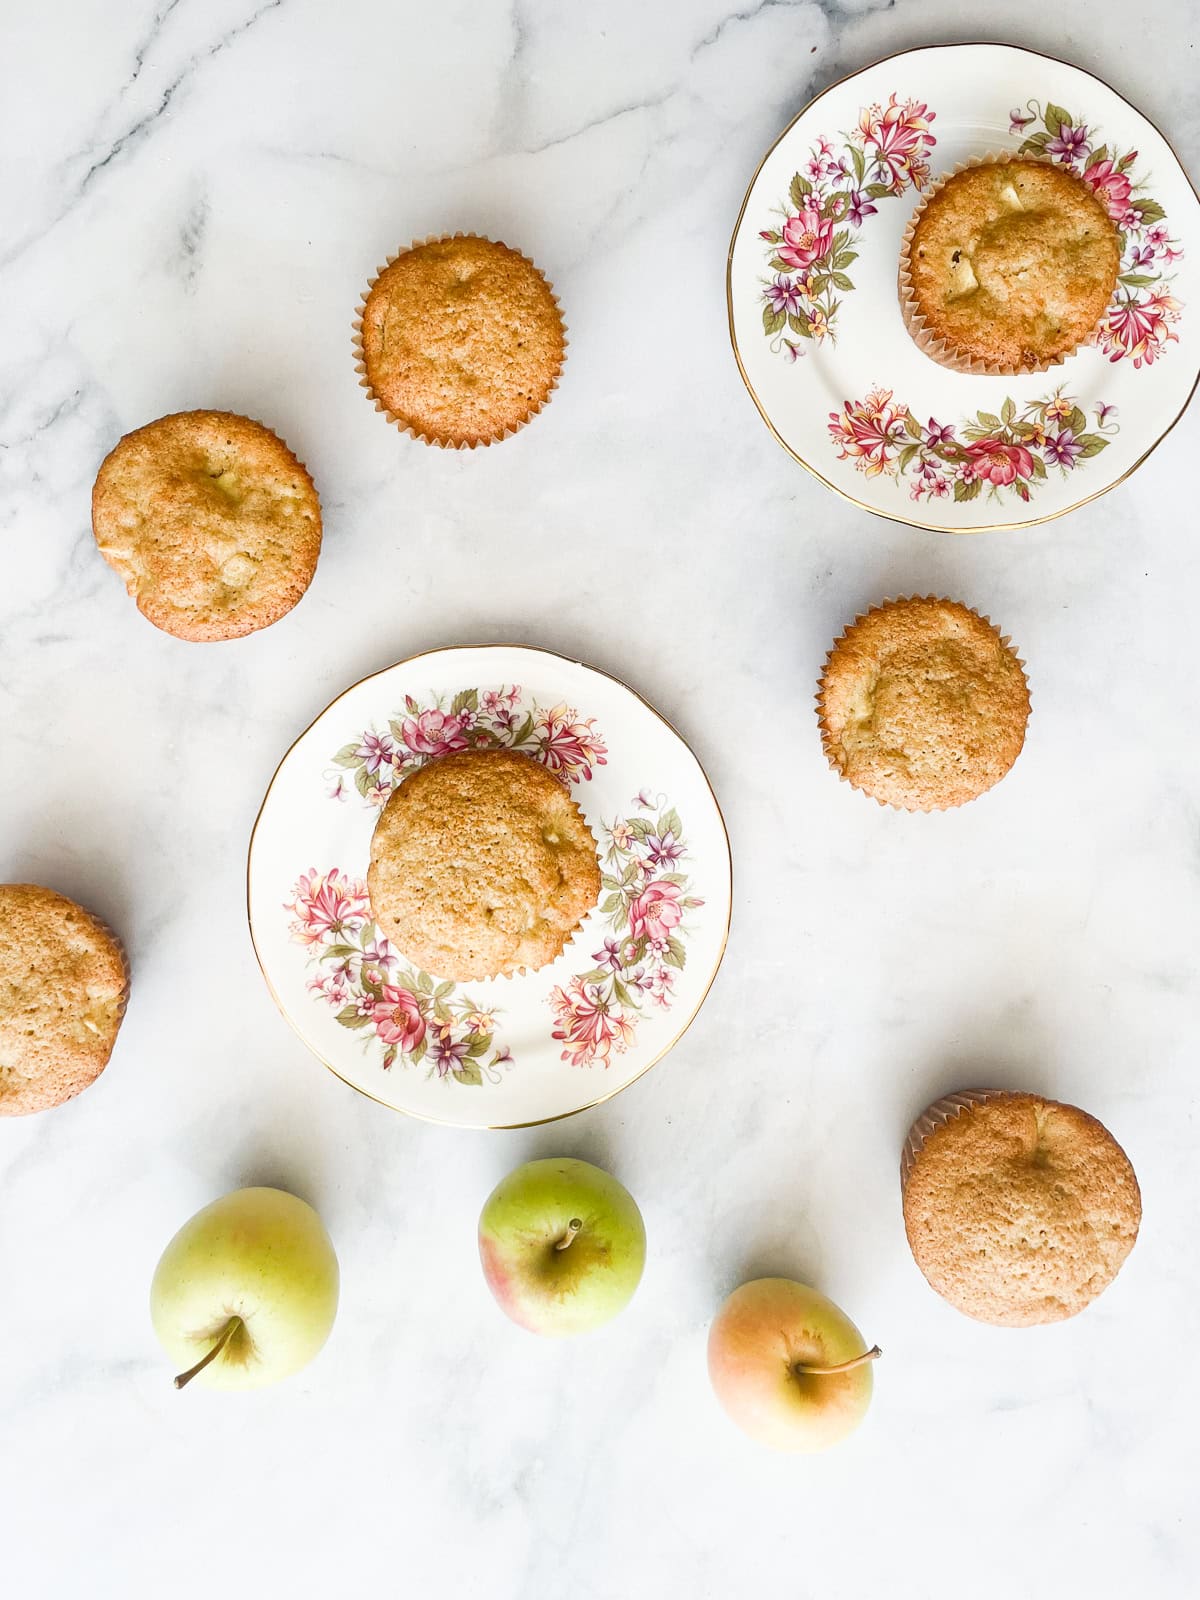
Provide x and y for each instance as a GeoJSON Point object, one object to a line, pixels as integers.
{"type": "Point", "coordinates": [815, 320]}
{"type": "Point", "coordinates": [501, 1052]}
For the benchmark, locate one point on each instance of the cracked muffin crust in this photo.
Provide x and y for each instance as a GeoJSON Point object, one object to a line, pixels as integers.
{"type": "Point", "coordinates": [211, 521]}
{"type": "Point", "coordinates": [1011, 263]}
{"type": "Point", "coordinates": [481, 865]}
{"type": "Point", "coordinates": [1018, 1210]}
{"type": "Point", "coordinates": [922, 704]}
{"type": "Point", "coordinates": [63, 987]}
{"type": "Point", "coordinates": [462, 340]}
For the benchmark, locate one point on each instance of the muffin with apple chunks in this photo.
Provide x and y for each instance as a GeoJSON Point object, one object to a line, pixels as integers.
{"type": "Point", "coordinates": [1018, 1210]}
{"type": "Point", "coordinates": [211, 521]}
{"type": "Point", "coordinates": [922, 704]}
{"type": "Point", "coordinates": [1007, 266]}
{"type": "Point", "coordinates": [64, 982]}
{"type": "Point", "coordinates": [481, 866]}
{"type": "Point", "coordinates": [459, 341]}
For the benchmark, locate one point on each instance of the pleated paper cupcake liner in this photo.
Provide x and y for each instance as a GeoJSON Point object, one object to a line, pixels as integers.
{"type": "Point", "coordinates": [823, 725]}
{"type": "Point", "coordinates": [936, 1116]}
{"type": "Point", "coordinates": [402, 423]}
{"type": "Point", "coordinates": [940, 350]}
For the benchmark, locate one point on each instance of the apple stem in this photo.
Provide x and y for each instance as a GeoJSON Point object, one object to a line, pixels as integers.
{"type": "Point", "coordinates": [568, 1238]}
{"type": "Point", "coordinates": [873, 1354]}
{"type": "Point", "coordinates": [227, 1333]}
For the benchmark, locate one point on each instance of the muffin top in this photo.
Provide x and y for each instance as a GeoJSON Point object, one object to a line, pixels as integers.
{"type": "Point", "coordinates": [63, 986]}
{"type": "Point", "coordinates": [923, 704]}
{"type": "Point", "coordinates": [1013, 262]}
{"type": "Point", "coordinates": [481, 864]}
{"type": "Point", "coordinates": [1020, 1210]}
{"type": "Point", "coordinates": [461, 340]}
{"type": "Point", "coordinates": [211, 521]}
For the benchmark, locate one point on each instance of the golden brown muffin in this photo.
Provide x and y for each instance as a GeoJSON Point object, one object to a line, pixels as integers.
{"type": "Point", "coordinates": [1010, 263]}
{"type": "Point", "coordinates": [481, 864]}
{"type": "Point", "coordinates": [63, 987]}
{"type": "Point", "coordinates": [211, 521]}
{"type": "Point", "coordinates": [461, 340]}
{"type": "Point", "coordinates": [1018, 1210]}
{"type": "Point", "coordinates": [922, 705]}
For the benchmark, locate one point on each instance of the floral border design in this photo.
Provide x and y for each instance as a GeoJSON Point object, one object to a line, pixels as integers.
{"type": "Point", "coordinates": [1137, 324]}
{"type": "Point", "coordinates": [829, 202]}
{"type": "Point", "coordinates": [473, 719]}
{"type": "Point", "coordinates": [360, 975]}
{"type": "Point", "coordinates": [410, 1017]}
{"type": "Point", "coordinates": [644, 911]}
{"type": "Point", "coordinates": [1009, 452]}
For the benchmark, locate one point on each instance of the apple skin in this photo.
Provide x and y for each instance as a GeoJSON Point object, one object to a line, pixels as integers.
{"type": "Point", "coordinates": [561, 1292]}
{"type": "Point", "coordinates": [759, 1335]}
{"type": "Point", "coordinates": [262, 1255]}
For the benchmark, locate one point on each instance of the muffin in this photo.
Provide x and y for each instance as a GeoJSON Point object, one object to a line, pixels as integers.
{"type": "Point", "coordinates": [1008, 266]}
{"type": "Point", "coordinates": [211, 521]}
{"type": "Point", "coordinates": [1018, 1210]}
{"type": "Point", "coordinates": [922, 704]}
{"type": "Point", "coordinates": [481, 865]}
{"type": "Point", "coordinates": [63, 987]}
{"type": "Point", "coordinates": [459, 341]}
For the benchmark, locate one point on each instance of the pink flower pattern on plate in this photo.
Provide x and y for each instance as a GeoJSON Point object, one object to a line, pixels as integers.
{"type": "Point", "coordinates": [810, 249]}
{"type": "Point", "coordinates": [406, 1016]}
{"type": "Point", "coordinates": [481, 719]}
{"type": "Point", "coordinates": [1138, 325]}
{"type": "Point", "coordinates": [1009, 451]}
{"type": "Point", "coordinates": [644, 911]}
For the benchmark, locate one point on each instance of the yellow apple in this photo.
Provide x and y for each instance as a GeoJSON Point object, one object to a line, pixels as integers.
{"type": "Point", "coordinates": [788, 1367]}
{"type": "Point", "coordinates": [246, 1292]}
{"type": "Point", "coordinates": [562, 1245]}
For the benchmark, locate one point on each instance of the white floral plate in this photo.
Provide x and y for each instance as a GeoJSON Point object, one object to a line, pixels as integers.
{"type": "Point", "coordinates": [816, 325]}
{"type": "Point", "coordinates": [504, 1052]}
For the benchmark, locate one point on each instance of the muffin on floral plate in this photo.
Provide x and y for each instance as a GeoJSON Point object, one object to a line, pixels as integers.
{"type": "Point", "coordinates": [1007, 266]}
{"type": "Point", "coordinates": [489, 886]}
{"type": "Point", "coordinates": [1047, 354]}
{"type": "Point", "coordinates": [482, 865]}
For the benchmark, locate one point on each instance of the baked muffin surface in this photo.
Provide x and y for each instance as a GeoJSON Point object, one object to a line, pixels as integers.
{"type": "Point", "coordinates": [922, 704]}
{"type": "Point", "coordinates": [1020, 1210]}
{"type": "Point", "coordinates": [1013, 263]}
{"type": "Point", "coordinates": [63, 986]}
{"type": "Point", "coordinates": [211, 521]}
{"type": "Point", "coordinates": [462, 340]}
{"type": "Point", "coordinates": [481, 865]}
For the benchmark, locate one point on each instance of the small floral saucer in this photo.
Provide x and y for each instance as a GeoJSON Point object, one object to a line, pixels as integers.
{"type": "Point", "coordinates": [815, 320]}
{"type": "Point", "coordinates": [502, 1052]}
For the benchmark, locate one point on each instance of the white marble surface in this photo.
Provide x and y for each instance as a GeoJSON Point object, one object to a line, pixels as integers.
{"type": "Point", "coordinates": [192, 198]}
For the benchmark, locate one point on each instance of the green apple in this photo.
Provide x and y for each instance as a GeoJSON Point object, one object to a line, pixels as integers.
{"type": "Point", "coordinates": [562, 1245]}
{"type": "Point", "coordinates": [788, 1367]}
{"type": "Point", "coordinates": [246, 1292]}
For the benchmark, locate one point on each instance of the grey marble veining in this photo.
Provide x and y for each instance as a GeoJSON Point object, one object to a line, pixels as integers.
{"type": "Point", "coordinates": [193, 198]}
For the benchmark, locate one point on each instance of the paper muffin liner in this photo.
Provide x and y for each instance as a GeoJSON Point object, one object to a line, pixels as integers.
{"type": "Point", "coordinates": [826, 731]}
{"type": "Point", "coordinates": [406, 427]}
{"type": "Point", "coordinates": [939, 350]}
{"type": "Point", "coordinates": [119, 943]}
{"type": "Point", "coordinates": [936, 1115]}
